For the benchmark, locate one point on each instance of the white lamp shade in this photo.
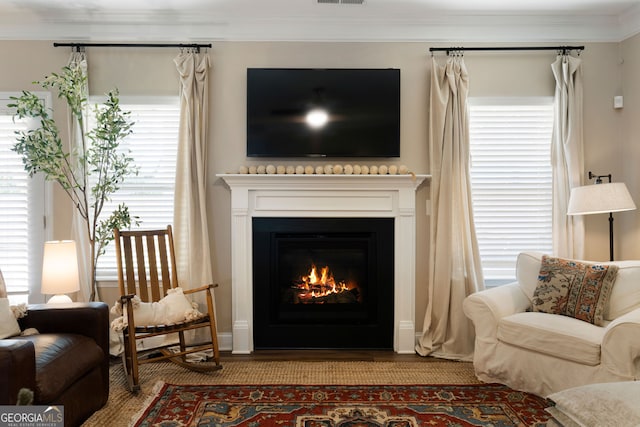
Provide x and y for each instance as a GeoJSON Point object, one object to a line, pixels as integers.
{"type": "Point", "coordinates": [600, 198]}
{"type": "Point", "coordinates": [60, 268]}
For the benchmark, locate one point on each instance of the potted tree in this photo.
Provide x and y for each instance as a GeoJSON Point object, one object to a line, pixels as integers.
{"type": "Point", "coordinates": [92, 171]}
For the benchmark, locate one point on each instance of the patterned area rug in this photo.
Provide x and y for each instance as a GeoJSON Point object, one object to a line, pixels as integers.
{"type": "Point", "coordinates": [342, 406]}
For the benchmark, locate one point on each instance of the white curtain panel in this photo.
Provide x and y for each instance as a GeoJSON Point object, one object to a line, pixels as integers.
{"type": "Point", "coordinates": [79, 231]}
{"type": "Point", "coordinates": [455, 269]}
{"type": "Point", "coordinates": [567, 155]}
{"type": "Point", "coordinates": [3, 288]}
{"type": "Point", "coordinates": [191, 232]}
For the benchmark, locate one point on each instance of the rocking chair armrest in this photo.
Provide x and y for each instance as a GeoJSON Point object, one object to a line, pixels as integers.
{"type": "Point", "coordinates": [201, 288]}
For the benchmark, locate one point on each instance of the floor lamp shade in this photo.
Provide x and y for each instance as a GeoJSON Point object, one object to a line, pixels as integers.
{"type": "Point", "coordinates": [60, 270]}
{"type": "Point", "coordinates": [600, 198]}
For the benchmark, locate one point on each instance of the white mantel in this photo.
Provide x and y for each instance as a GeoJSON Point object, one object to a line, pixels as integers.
{"type": "Point", "coordinates": [337, 196]}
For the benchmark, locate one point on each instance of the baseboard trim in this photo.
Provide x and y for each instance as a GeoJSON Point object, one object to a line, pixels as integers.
{"type": "Point", "coordinates": [225, 340]}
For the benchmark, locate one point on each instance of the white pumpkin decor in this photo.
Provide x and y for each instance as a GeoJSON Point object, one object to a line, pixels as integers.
{"type": "Point", "coordinates": [338, 169]}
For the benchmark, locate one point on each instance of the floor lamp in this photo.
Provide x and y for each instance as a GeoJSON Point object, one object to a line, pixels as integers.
{"type": "Point", "coordinates": [601, 198]}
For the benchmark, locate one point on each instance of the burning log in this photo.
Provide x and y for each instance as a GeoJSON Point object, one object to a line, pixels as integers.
{"type": "Point", "coordinates": [321, 289]}
{"type": "Point", "coordinates": [345, 297]}
{"type": "Point", "coordinates": [299, 296]}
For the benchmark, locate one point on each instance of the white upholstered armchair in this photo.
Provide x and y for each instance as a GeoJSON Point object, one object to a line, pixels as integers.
{"type": "Point", "coordinates": [544, 353]}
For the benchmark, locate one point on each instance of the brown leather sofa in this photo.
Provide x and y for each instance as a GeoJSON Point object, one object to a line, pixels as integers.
{"type": "Point", "coordinates": [67, 363]}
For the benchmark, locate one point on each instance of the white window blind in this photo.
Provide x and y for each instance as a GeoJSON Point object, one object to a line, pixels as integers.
{"type": "Point", "coordinates": [511, 180]}
{"type": "Point", "coordinates": [22, 214]}
{"type": "Point", "coordinates": [153, 146]}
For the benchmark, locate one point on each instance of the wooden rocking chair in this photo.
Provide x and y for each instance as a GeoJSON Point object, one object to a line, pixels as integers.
{"type": "Point", "coordinates": [147, 269]}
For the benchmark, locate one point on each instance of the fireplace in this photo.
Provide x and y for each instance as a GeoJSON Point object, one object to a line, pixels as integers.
{"type": "Point", "coordinates": [323, 282]}
{"type": "Point", "coordinates": [322, 196]}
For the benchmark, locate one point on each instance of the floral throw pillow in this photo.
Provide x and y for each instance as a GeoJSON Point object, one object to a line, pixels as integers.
{"type": "Point", "coordinates": [573, 288]}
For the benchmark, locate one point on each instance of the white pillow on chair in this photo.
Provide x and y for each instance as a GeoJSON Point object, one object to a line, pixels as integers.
{"type": "Point", "coordinates": [178, 307]}
{"type": "Point", "coordinates": [172, 309]}
{"type": "Point", "coordinates": [8, 314]}
{"type": "Point", "coordinates": [8, 324]}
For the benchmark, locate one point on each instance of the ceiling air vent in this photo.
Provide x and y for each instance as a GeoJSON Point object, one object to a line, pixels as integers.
{"type": "Point", "coordinates": [340, 1]}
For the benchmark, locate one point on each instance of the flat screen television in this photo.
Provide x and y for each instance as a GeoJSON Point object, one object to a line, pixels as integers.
{"type": "Point", "coordinates": [323, 112]}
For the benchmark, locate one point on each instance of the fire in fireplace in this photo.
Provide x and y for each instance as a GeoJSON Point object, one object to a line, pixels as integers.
{"type": "Point", "coordinates": [323, 282]}
{"type": "Point", "coordinates": [320, 287]}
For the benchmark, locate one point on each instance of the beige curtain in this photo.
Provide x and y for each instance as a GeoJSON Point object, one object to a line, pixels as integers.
{"type": "Point", "coordinates": [191, 232]}
{"type": "Point", "coordinates": [567, 155]}
{"type": "Point", "coordinates": [454, 260]}
{"type": "Point", "coordinates": [79, 231]}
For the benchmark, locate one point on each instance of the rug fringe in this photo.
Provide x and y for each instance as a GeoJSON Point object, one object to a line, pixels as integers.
{"type": "Point", "coordinates": [155, 392]}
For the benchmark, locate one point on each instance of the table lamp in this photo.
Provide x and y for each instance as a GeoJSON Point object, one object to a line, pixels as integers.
{"type": "Point", "coordinates": [60, 270]}
{"type": "Point", "coordinates": [601, 198]}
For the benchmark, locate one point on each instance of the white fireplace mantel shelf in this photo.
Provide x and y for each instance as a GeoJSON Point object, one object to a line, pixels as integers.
{"type": "Point", "coordinates": [379, 196]}
{"type": "Point", "coordinates": [409, 180]}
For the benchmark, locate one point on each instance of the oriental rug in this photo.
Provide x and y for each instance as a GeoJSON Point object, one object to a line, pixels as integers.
{"type": "Point", "coordinates": [123, 405]}
{"type": "Point", "coordinates": [342, 406]}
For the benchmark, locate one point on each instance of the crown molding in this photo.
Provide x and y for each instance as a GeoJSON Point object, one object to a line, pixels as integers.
{"type": "Point", "coordinates": [629, 23]}
{"type": "Point", "coordinates": [436, 28]}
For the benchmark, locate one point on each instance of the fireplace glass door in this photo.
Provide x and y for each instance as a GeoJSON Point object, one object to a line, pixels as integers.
{"type": "Point", "coordinates": [323, 282]}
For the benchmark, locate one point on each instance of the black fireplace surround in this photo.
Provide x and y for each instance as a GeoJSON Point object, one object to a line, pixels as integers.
{"type": "Point", "coordinates": [289, 308]}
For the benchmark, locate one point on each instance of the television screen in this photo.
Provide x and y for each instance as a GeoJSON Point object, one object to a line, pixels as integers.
{"type": "Point", "coordinates": [323, 112]}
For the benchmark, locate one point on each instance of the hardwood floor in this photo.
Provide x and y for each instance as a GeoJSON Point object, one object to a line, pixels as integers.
{"type": "Point", "coordinates": [323, 355]}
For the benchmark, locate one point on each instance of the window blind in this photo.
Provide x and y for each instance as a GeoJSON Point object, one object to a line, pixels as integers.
{"type": "Point", "coordinates": [153, 146]}
{"type": "Point", "coordinates": [511, 181]}
{"type": "Point", "coordinates": [22, 214]}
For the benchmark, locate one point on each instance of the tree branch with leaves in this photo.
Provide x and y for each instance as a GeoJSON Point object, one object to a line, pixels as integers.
{"type": "Point", "coordinates": [89, 172]}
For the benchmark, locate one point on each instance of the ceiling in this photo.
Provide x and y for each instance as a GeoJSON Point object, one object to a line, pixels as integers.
{"type": "Point", "coordinates": [320, 20]}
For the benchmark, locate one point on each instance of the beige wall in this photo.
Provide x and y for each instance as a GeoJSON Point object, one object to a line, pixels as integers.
{"type": "Point", "coordinates": [628, 223]}
{"type": "Point", "coordinates": [151, 71]}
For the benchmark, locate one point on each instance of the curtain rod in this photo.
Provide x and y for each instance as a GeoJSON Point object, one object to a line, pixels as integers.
{"type": "Point", "coordinates": [564, 49]}
{"type": "Point", "coordinates": [178, 45]}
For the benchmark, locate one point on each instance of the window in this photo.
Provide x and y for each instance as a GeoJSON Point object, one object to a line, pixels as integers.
{"type": "Point", "coordinates": [22, 213]}
{"type": "Point", "coordinates": [153, 146]}
{"type": "Point", "coordinates": [511, 180]}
